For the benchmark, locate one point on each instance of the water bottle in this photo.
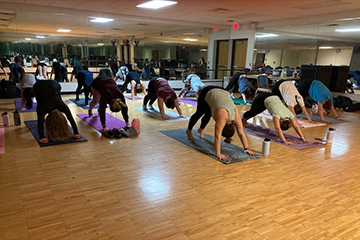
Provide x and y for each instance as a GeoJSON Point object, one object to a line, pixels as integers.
{"type": "Point", "coordinates": [17, 120]}
{"type": "Point", "coordinates": [330, 135]}
{"type": "Point", "coordinates": [266, 146]}
{"type": "Point", "coordinates": [6, 119]}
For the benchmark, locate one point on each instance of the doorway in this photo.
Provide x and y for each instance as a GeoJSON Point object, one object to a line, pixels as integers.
{"type": "Point", "coordinates": [239, 55]}
{"type": "Point", "coordinates": [222, 58]}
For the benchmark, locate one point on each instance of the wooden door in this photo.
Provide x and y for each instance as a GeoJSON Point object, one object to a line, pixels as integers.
{"type": "Point", "coordinates": [239, 55]}
{"type": "Point", "coordinates": [222, 58]}
{"type": "Point", "coordinates": [260, 59]}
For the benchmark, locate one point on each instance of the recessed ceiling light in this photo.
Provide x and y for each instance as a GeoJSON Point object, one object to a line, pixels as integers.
{"type": "Point", "coordinates": [325, 47]}
{"type": "Point", "coordinates": [190, 39]}
{"type": "Point", "coordinates": [156, 4]}
{"type": "Point", "coordinates": [349, 29]}
{"type": "Point", "coordinates": [264, 35]}
{"type": "Point", "coordinates": [40, 36]}
{"type": "Point", "coordinates": [64, 30]}
{"type": "Point", "coordinates": [101, 44]}
{"type": "Point", "coordinates": [101, 20]}
{"type": "Point", "coordinates": [28, 39]}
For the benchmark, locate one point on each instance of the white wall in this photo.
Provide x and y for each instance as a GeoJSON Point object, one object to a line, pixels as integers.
{"type": "Point", "coordinates": [331, 57]}
{"type": "Point", "coordinates": [306, 57]}
{"type": "Point", "coordinates": [290, 58]}
{"type": "Point", "coordinates": [355, 61]}
{"type": "Point", "coordinates": [273, 57]}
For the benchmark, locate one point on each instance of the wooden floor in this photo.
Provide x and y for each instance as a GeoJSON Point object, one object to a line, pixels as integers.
{"type": "Point", "coordinates": [153, 187]}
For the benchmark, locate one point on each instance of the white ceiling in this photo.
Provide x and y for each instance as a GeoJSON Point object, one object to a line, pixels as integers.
{"type": "Point", "coordinates": [299, 22]}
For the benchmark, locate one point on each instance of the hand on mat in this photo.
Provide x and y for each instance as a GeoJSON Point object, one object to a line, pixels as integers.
{"type": "Point", "coordinates": [326, 121]}
{"type": "Point", "coordinates": [288, 143]}
{"type": "Point", "coordinates": [182, 116]}
{"type": "Point", "coordinates": [165, 117]}
{"type": "Point", "coordinates": [249, 152]}
{"type": "Point", "coordinates": [44, 140]}
{"type": "Point", "coordinates": [223, 158]}
{"type": "Point", "coordinates": [305, 140]}
{"type": "Point", "coordinates": [340, 119]}
{"type": "Point", "coordinates": [77, 136]}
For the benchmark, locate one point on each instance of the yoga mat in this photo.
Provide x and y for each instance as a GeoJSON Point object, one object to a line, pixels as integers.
{"type": "Point", "coordinates": [81, 103]}
{"type": "Point", "coordinates": [262, 132]}
{"type": "Point", "coordinates": [206, 146]}
{"type": "Point", "coordinates": [190, 101]}
{"type": "Point", "coordinates": [303, 123]}
{"type": "Point", "coordinates": [174, 117]}
{"type": "Point", "coordinates": [32, 126]}
{"type": "Point", "coordinates": [2, 139]}
{"type": "Point", "coordinates": [137, 98]}
{"type": "Point", "coordinates": [240, 101]}
{"type": "Point", "coordinates": [317, 118]}
{"type": "Point", "coordinates": [94, 121]}
{"type": "Point", "coordinates": [18, 106]}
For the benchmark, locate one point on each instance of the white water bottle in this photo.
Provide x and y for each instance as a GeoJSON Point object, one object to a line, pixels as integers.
{"type": "Point", "coordinates": [330, 135]}
{"type": "Point", "coordinates": [266, 146]}
{"type": "Point", "coordinates": [6, 119]}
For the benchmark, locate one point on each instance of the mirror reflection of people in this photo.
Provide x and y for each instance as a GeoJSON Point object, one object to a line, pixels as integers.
{"type": "Point", "coordinates": [216, 102]}
{"type": "Point", "coordinates": [26, 89]}
{"type": "Point", "coordinates": [47, 93]}
{"type": "Point", "coordinates": [160, 89]}
{"type": "Point", "coordinates": [84, 80]}
{"type": "Point", "coordinates": [282, 116]}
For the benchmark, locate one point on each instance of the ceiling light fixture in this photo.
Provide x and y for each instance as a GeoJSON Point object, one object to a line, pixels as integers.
{"type": "Point", "coordinates": [264, 35]}
{"type": "Point", "coordinates": [101, 20]}
{"type": "Point", "coordinates": [348, 29]}
{"type": "Point", "coordinates": [64, 30]}
{"type": "Point", "coordinates": [325, 47]}
{"type": "Point", "coordinates": [40, 36]}
{"type": "Point", "coordinates": [28, 39]}
{"type": "Point", "coordinates": [190, 39]}
{"type": "Point", "coordinates": [156, 4]}
{"type": "Point", "coordinates": [349, 19]}
{"type": "Point", "coordinates": [101, 44]}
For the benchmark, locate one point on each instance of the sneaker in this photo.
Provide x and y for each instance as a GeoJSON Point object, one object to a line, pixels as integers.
{"type": "Point", "coordinates": [117, 133]}
{"type": "Point", "coordinates": [144, 108]}
{"type": "Point", "coordinates": [109, 134]}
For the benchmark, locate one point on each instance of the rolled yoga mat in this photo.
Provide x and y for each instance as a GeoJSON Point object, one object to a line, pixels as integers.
{"type": "Point", "coordinates": [264, 132]}
{"type": "Point", "coordinates": [174, 117]}
{"type": "Point", "coordinates": [236, 154]}
{"type": "Point", "coordinates": [32, 126]}
{"type": "Point", "coordinates": [18, 106]}
{"type": "Point", "coordinates": [94, 121]}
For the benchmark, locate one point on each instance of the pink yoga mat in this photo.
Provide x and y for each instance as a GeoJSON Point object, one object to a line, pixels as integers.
{"type": "Point", "coordinates": [2, 139]}
{"type": "Point", "coordinates": [264, 132]}
{"type": "Point", "coordinates": [94, 121]}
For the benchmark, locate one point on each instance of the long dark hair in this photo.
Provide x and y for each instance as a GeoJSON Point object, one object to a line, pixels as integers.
{"type": "Point", "coordinates": [297, 107]}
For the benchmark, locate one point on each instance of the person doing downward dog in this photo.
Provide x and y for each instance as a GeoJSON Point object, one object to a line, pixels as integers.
{"type": "Point", "coordinates": [193, 84]}
{"type": "Point", "coordinates": [321, 95]}
{"type": "Point", "coordinates": [247, 90]}
{"type": "Point", "coordinates": [216, 102]}
{"type": "Point", "coordinates": [160, 89]}
{"type": "Point", "coordinates": [282, 117]}
{"type": "Point", "coordinates": [285, 89]}
{"type": "Point", "coordinates": [135, 82]}
{"type": "Point", "coordinates": [26, 88]}
{"type": "Point", "coordinates": [105, 91]}
{"type": "Point", "coordinates": [48, 99]}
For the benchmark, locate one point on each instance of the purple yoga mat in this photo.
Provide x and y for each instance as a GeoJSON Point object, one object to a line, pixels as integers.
{"type": "Point", "coordinates": [18, 106]}
{"type": "Point", "coordinates": [94, 121]}
{"type": "Point", "coordinates": [188, 101]}
{"type": "Point", "coordinates": [262, 132]}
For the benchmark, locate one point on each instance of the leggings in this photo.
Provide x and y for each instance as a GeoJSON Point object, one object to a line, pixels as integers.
{"type": "Point", "coordinates": [233, 83]}
{"type": "Point", "coordinates": [203, 109]}
{"type": "Point", "coordinates": [151, 95]}
{"type": "Point", "coordinates": [258, 105]}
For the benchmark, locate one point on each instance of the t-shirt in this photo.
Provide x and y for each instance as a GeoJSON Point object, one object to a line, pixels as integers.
{"type": "Point", "coordinates": [86, 76]}
{"type": "Point", "coordinates": [319, 92]}
{"type": "Point", "coordinates": [276, 108]}
{"type": "Point", "coordinates": [134, 76]}
{"type": "Point", "coordinates": [163, 89]}
{"type": "Point", "coordinates": [244, 84]}
{"type": "Point", "coordinates": [27, 81]}
{"type": "Point", "coordinates": [290, 94]}
{"type": "Point", "coordinates": [220, 99]}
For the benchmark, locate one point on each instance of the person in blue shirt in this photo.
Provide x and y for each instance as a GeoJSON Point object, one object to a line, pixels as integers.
{"type": "Point", "coordinates": [247, 90]}
{"type": "Point", "coordinates": [84, 80]}
{"type": "Point", "coordinates": [321, 95]}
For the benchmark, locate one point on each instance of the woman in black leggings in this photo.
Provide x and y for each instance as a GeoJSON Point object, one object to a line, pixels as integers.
{"type": "Point", "coordinates": [216, 102]}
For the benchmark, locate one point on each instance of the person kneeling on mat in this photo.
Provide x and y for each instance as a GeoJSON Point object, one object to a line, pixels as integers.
{"type": "Point", "coordinates": [216, 102]}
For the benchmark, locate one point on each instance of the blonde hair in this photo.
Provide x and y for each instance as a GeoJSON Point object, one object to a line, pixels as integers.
{"type": "Point", "coordinates": [116, 105]}
{"type": "Point", "coordinates": [57, 128]}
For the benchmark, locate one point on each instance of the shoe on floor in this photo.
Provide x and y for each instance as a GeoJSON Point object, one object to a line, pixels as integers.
{"type": "Point", "coordinates": [109, 134]}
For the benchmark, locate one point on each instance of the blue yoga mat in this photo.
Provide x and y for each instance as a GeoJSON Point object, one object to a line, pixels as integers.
{"type": "Point", "coordinates": [236, 154]}
{"type": "Point", "coordinates": [32, 126]}
{"type": "Point", "coordinates": [174, 117]}
{"type": "Point", "coordinates": [81, 103]}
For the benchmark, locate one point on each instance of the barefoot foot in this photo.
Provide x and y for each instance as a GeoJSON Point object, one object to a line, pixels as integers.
{"type": "Point", "coordinates": [189, 135]}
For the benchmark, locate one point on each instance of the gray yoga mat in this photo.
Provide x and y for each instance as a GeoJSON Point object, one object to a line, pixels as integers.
{"type": "Point", "coordinates": [316, 117]}
{"type": "Point", "coordinates": [206, 146]}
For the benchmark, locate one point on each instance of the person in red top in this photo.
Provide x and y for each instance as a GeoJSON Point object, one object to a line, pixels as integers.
{"type": "Point", "coordinates": [160, 89]}
{"type": "Point", "coordinates": [105, 91]}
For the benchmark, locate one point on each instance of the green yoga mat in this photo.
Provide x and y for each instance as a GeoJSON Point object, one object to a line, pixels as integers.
{"type": "Point", "coordinates": [240, 101]}
{"type": "Point", "coordinates": [206, 146]}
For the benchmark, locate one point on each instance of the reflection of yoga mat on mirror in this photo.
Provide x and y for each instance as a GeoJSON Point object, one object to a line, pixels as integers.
{"type": "Point", "coordinates": [240, 101]}
{"type": "Point", "coordinates": [190, 101]}
{"type": "Point", "coordinates": [156, 113]}
{"type": "Point", "coordinates": [18, 106]}
{"type": "Point", "coordinates": [206, 146]}
{"type": "Point", "coordinates": [137, 98]}
{"type": "Point", "coordinates": [94, 121]}
{"type": "Point", "coordinates": [303, 122]}
{"type": "Point", "coordinates": [2, 139]}
{"type": "Point", "coordinates": [81, 103]}
{"type": "Point", "coordinates": [317, 118]}
{"type": "Point", "coordinates": [263, 132]}
{"type": "Point", "coordinates": [32, 126]}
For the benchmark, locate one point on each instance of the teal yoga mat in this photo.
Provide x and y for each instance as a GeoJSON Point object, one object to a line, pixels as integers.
{"type": "Point", "coordinates": [206, 146]}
